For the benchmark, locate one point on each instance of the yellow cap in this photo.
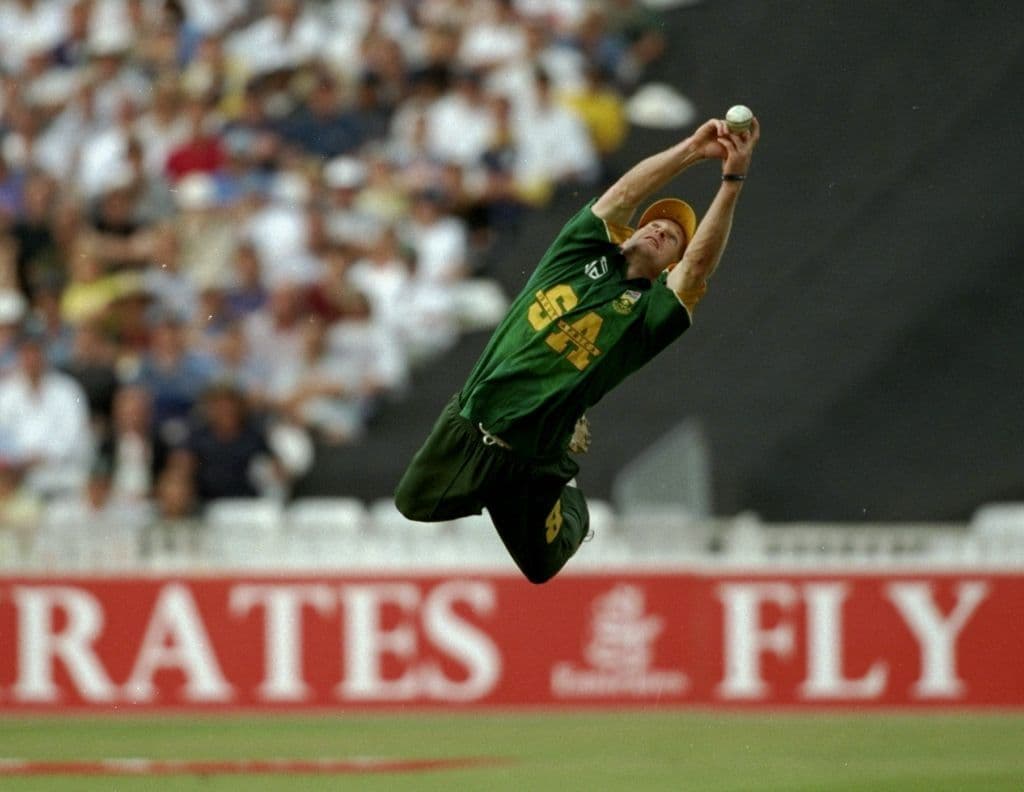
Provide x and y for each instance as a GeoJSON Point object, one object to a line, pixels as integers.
{"type": "Point", "coordinates": [671, 209]}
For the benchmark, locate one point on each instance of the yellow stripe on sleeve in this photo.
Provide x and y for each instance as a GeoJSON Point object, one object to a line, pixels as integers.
{"type": "Point", "coordinates": [692, 296]}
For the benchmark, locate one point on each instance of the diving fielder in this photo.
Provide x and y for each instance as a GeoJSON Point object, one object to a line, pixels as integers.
{"type": "Point", "coordinates": [602, 302]}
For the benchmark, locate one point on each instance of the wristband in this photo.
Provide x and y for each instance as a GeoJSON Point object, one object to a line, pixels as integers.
{"type": "Point", "coordinates": [733, 176]}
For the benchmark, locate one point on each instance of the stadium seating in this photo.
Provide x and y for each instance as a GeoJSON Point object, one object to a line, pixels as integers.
{"type": "Point", "coordinates": [243, 530]}
{"type": "Point", "coordinates": [999, 530]}
{"type": "Point", "coordinates": [348, 533]}
{"type": "Point", "coordinates": [323, 530]}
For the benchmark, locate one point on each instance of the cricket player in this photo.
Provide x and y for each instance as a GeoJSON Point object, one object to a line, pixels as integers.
{"type": "Point", "coordinates": [602, 302]}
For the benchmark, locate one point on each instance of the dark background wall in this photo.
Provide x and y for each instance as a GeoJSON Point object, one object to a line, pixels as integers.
{"type": "Point", "coordinates": [860, 354]}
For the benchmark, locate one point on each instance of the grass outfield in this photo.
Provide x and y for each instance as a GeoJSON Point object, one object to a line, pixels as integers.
{"type": "Point", "coordinates": [584, 751]}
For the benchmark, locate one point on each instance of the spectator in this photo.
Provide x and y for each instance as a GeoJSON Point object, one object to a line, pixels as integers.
{"type": "Point", "coordinates": [322, 125]}
{"type": "Point", "coordinates": [555, 147]}
{"type": "Point", "coordinates": [37, 258]}
{"type": "Point", "coordinates": [251, 135]}
{"type": "Point", "coordinates": [103, 506]}
{"type": "Point", "coordinates": [176, 524]}
{"type": "Point", "coordinates": [496, 37]}
{"type": "Point", "coordinates": [24, 145]}
{"type": "Point", "coordinates": [248, 168]}
{"type": "Point", "coordinates": [334, 297]}
{"type": "Point", "coordinates": [174, 289]}
{"type": "Point", "coordinates": [601, 108]}
{"type": "Point", "coordinates": [44, 423]}
{"type": "Point", "coordinates": [246, 293]}
{"type": "Point", "coordinates": [425, 86]}
{"type": "Point", "coordinates": [417, 168]}
{"type": "Point", "coordinates": [371, 107]}
{"type": "Point", "coordinates": [384, 57]}
{"type": "Point", "coordinates": [176, 502]}
{"type": "Point", "coordinates": [11, 182]}
{"type": "Point", "coordinates": [91, 290]}
{"type": "Point", "coordinates": [515, 79]}
{"type": "Point", "coordinates": [59, 335]}
{"type": "Point", "coordinates": [276, 334]}
{"type": "Point", "coordinates": [438, 240]}
{"type": "Point", "coordinates": [59, 148]}
{"type": "Point", "coordinates": [163, 36]}
{"type": "Point", "coordinates": [154, 202]}
{"type": "Point", "coordinates": [93, 366]}
{"type": "Point", "coordinates": [460, 125]}
{"type": "Point", "coordinates": [26, 27]}
{"type": "Point", "coordinates": [227, 451]}
{"type": "Point", "coordinates": [636, 39]}
{"type": "Point", "coordinates": [121, 237]}
{"type": "Point", "coordinates": [281, 231]}
{"type": "Point", "coordinates": [101, 154]}
{"type": "Point", "coordinates": [345, 222]}
{"type": "Point", "coordinates": [324, 393]}
{"type": "Point", "coordinates": [205, 76]}
{"type": "Point", "coordinates": [202, 150]}
{"type": "Point", "coordinates": [288, 35]}
{"type": "Point", "coordinates": [119, 81]}
{"type": "Point", "coordinates": [136, 451]}
{"type": "Point", "coordinates": [382, 196]}
{"type": "Point", "coordinates": [493, 185]}
{"type": "Point", "coordinates": [237, 364]}
{"type": "Point", "coordinates": [205, 242]}
{"type": "Point", "coordinates": [419, 313]}
{"type": "Point", "coordinates": [13, 308]}
{"type": "Point", "coordinates": [129, 319]}
{"type": "Point", "coordinates": [71, 52]}
{"type": "Point", "coordinates": [384, 277]}
{"type": "Point", "coordinates": [175, 375]}
{"type": "Point", "coordinates": [212, 317]}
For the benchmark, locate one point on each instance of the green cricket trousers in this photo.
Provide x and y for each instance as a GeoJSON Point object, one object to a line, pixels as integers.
{"type": "Point", "coordinates": [461, 471]}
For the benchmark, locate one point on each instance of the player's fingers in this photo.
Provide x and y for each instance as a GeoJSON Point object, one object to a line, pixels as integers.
{"type": "Point", "coordinates": [727, 142]}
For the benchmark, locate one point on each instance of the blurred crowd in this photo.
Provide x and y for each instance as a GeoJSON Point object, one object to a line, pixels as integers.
{"type": "Point", "coordinates": [229, 229]}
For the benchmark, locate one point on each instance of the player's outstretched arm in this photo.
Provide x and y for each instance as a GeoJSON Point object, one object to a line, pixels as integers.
{"type": "Point", "coordinates": [649, 175]}
{"type": "Point", "coordinates": [712, 235]}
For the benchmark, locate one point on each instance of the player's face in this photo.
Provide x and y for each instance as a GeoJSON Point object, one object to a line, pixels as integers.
{"type": "Point", "coordinates": [658, 244]}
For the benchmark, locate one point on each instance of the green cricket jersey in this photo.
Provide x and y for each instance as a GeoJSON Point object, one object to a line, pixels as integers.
{"type": "Point", "coordinates": [577, 329]}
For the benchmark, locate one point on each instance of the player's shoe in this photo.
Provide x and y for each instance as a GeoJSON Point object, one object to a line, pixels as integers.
{"type": "Point", "coordinates": [580, 442]}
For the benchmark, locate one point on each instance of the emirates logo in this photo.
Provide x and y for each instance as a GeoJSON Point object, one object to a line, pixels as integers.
{"type": "Point", "coordinates": [620, 652]}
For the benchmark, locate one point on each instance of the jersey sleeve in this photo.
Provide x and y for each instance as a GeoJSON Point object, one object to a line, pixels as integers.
{"type": "Point", "coordinates": [667, 317]}
{"type": "Point", "coordinates": [691, 297]}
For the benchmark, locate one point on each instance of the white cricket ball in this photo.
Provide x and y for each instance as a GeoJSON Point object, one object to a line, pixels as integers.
{"type": "Point", "coordinates": [738, 118]}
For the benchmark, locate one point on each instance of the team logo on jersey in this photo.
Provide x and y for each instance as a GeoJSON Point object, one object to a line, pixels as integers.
{"type": "Point", "coordinates": [624, 303]}
{"type": "Point", "coordinates": [597, 268]}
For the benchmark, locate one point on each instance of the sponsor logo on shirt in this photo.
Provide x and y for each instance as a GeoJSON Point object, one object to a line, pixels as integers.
{"type": "Point", "coordinates": [597, 268]}
{"type": "Point", "coordinates": [624, 303]}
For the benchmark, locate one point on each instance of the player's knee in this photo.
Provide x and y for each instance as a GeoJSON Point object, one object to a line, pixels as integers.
{"type": "Point", "coordinates": [409, 505]}
{"type": "Point", "coordinates": [538, 573]}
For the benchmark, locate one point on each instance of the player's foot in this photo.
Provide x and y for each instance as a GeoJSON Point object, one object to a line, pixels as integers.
{"type": "Point", "coordinates": [580, 442]}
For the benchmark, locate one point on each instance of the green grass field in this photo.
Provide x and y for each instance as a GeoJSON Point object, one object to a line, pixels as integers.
{"type": "Point", "coordinates": [581, 751]}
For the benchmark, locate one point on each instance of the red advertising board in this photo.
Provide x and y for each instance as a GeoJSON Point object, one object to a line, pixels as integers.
{"type": "Point", "coordinates": [683, 638]}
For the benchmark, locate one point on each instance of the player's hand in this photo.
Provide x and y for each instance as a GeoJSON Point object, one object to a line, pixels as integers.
{"type": "Point", "coordinates": [738, 146]}
{"type": "Point", "coordinates": [706, 140]}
